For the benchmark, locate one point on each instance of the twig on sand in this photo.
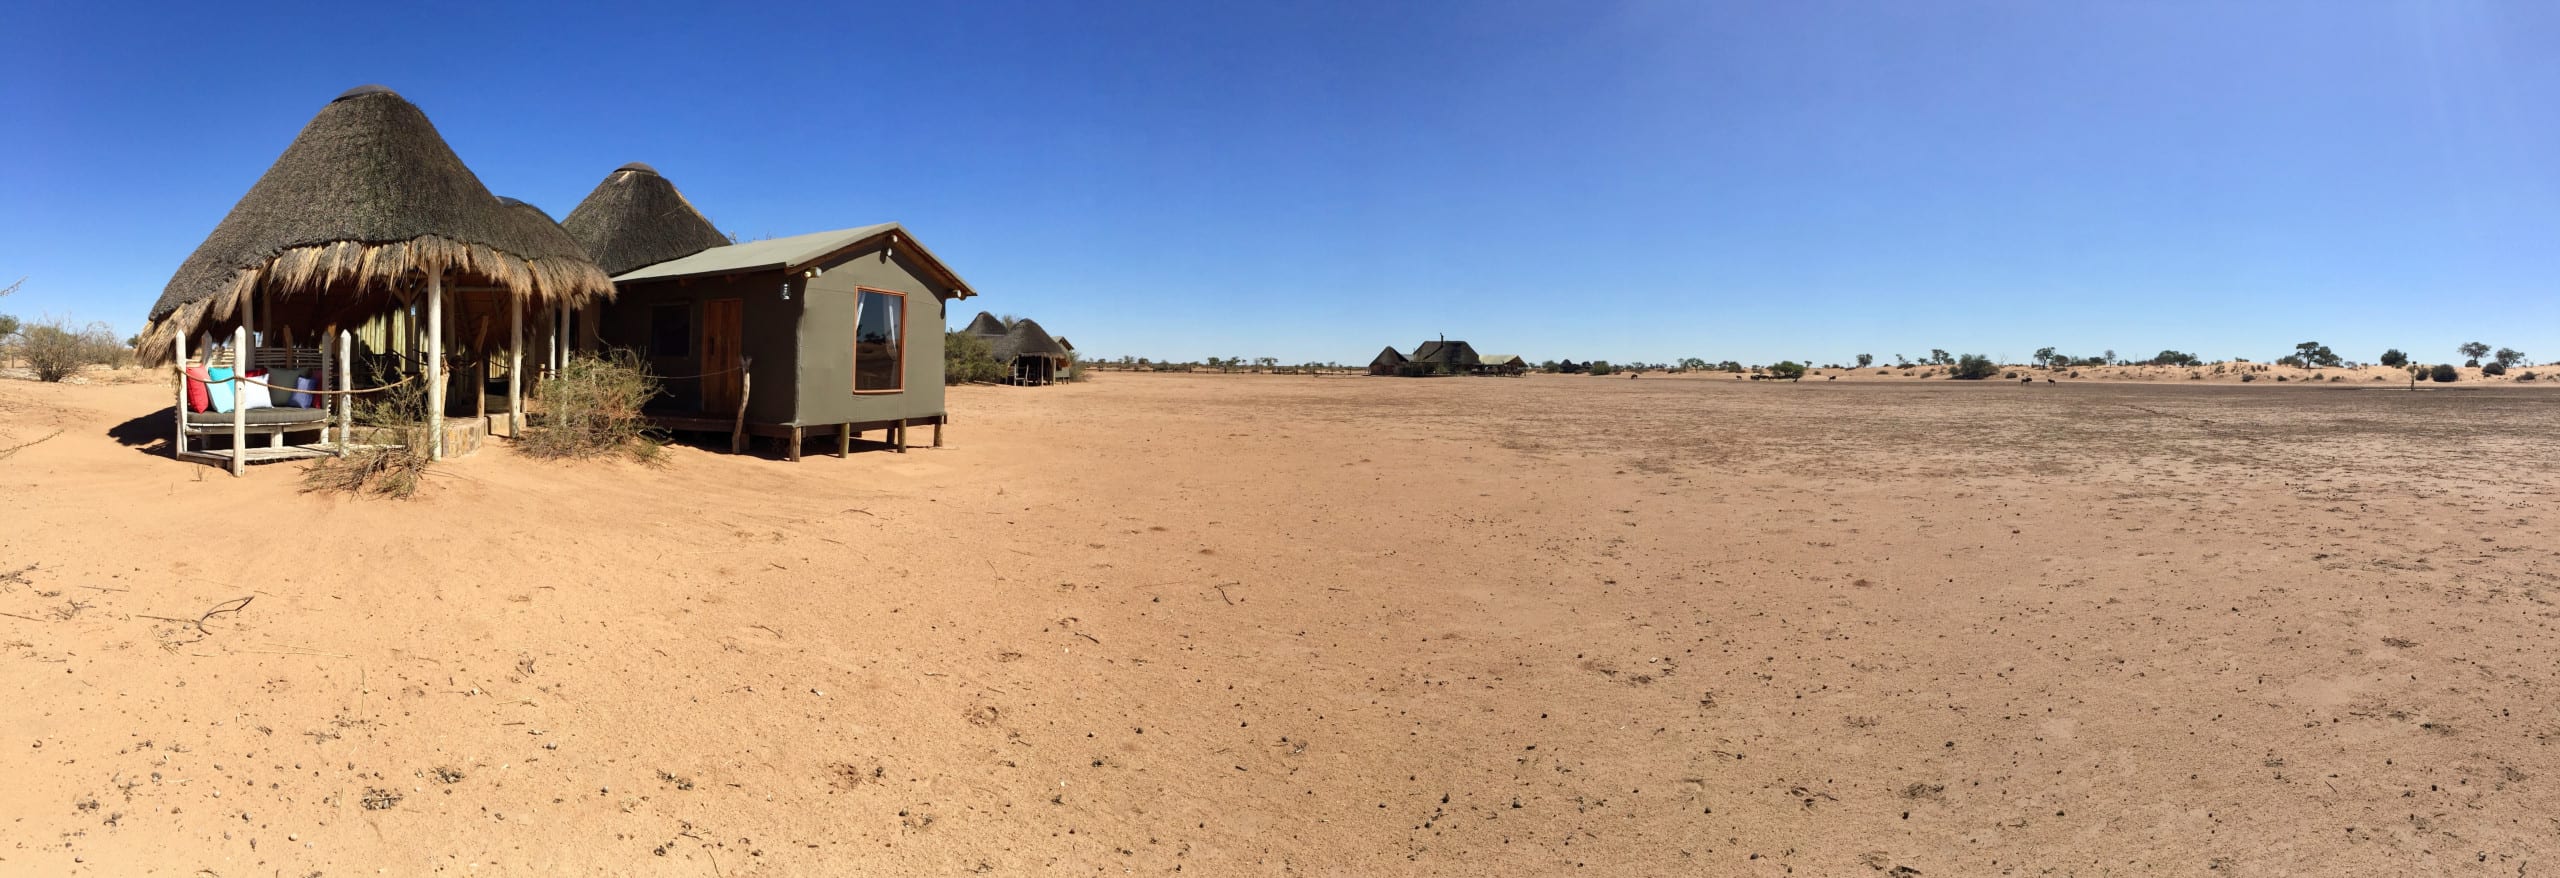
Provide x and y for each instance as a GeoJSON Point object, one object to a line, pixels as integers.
{"type": "Point", "coordinates": [1096, 640]}
{"type": "Point", "coordinates": [230, 606]}
{"type": "Point", "coordinates": [13, 449]}
{"type": "Point", "coordinates": [16, 616]}
{"type": "Point", "coordinates": [1222, 593]}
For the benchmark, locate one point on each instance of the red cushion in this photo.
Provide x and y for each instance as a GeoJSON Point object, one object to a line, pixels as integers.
{"type": "Point", "coordinates": [198, 400]}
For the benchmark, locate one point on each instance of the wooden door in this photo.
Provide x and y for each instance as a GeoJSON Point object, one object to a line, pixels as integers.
{"type": "Point", "coordinates": [720, 352]}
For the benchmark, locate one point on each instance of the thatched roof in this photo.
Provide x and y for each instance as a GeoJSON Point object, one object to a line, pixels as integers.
{"type": "Point", "coordinates": [1027, 339]}
{"type": "Point", "coordinates": [987, 325]}
{"type": "Point", "coordinates": [635, 218]}
{"type": "Point", "coordinates": [342, 226]}
{"type": "Point", "coordinates": [1388, 357]}
{"type": "Point", "coordinates": [1064, 343]}
{"type": "Point", "coordinates": [1452, 353]}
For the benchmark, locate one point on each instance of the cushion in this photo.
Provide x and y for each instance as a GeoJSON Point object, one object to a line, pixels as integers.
{"type": "Point", "coordinates": [303, 398]}
{"type": "Point", "coordinates": [283, 380]}
{"type": "Point", "coordinates": [197, 399]}
{"type": "Point", "coordinates": [251, 396]}
{"type": "Point", "coordinates": [217, 388]}
{"type": "Point", "coordinates": [261, 417]}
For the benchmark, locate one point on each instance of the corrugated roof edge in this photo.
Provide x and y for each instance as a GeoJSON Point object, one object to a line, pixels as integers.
{"type": "Point", "coordinates": [791, 253]}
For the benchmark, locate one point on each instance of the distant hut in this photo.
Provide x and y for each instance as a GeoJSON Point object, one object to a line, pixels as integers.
{"type": "Point", "coordinates": [1387, 362]}
{"type": "Point", "coordinates": [1510, 365]}
{"type": "Point", "coordinates": [366, 213]}
{"type": "Point", "coordinates": [1032, 357]}
{"type": "Point", "coordinates": [1442, 357]}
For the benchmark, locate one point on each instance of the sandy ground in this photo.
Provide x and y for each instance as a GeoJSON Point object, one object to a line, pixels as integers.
{"type": "Point", "coordinates": [1321, 626]}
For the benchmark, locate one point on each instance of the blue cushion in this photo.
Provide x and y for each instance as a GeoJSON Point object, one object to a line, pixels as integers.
{"type": "Point", "coordinates": [217, 384]}
{"type": "Point", "coordinates": [302, 398]}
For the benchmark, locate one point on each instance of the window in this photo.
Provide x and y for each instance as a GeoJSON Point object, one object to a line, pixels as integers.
{"type": "Point", "coordinates": [879, 342]}
{"type": "Point", "coordinates": [671, 330]}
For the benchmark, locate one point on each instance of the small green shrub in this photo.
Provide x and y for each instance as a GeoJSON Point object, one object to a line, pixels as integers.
{"type": "Point", "coordinates": [2528, 376]}
{"type": "Point", "coordinates": [967, 359]}
{"type": "Point", "coordinates": [2444, 373]}
{"type": "Point", "coordinates": [2493, 368]}
{"type": "Point", "coordinates": [1973, 367]}
{"type": "Point", "coordinates": [2246, 377]}
{"type": "Point", "coordinates": [2394, 358]}
{"type": "Point", "coordinates": [1787, 370]}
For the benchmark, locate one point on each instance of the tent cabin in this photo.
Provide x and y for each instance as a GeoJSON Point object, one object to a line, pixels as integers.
{"type": "Point", "coordinates": [1441, 357]}
{"type": "Point", "coordinates": [367, 214]}
{"type": "Point", "coordinates": [1031, 357]}
{"type": "Point", "coordinates": [1388, 362]}
{"type": "Point", "coordinates": [1502, 364]}
{"type": "Point", "coordinates": [824, 332]}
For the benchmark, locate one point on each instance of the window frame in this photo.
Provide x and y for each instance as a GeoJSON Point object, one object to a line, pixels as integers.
{"type": "Point", "coordinates": [856, 352]}
{"type": "Point", "coordinates": [692, 328]}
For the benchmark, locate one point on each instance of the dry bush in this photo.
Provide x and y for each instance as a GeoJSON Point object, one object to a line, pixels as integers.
{"type": "Point", "coordinates": [392, 471]}
{"type": "Point", "coordinates": [592, 408]}
{"type": "Point", "coordinates": [396, 418]}
{"type": "Point", "coordinates": [56, 350]}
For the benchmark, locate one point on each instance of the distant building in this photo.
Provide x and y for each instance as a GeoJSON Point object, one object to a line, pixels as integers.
{"type": "Point", "coordinates": [1442, 357]}
{"type": "Point", "coordinates": [1387, 362]}
{"type": "Point", "coordinates": [1502, 364]}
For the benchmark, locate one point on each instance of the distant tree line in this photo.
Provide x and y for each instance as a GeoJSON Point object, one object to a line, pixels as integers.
{"type": "Point", "coordinates": [2307, 355]}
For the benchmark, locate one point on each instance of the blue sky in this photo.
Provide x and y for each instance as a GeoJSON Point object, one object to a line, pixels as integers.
{"type": "Point", "coordinates": [1752, 181]}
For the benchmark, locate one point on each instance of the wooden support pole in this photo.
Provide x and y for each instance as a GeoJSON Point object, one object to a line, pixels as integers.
{"type": "Point", "coordinates": [346, 401]}
{"type": "Point", "coordinates": [794, 454]}
{"type": "Point", "coordinates": [323, 382]}
{"type": "Point", "coordinates": [561, 329]}
{"type": "Point", "coordinates": [844, 439]}
{"type": "Point", "coordinates": [239, 413]}
{"type": "Point", "coordinates": [937, 429]}
{"type": "Point", "coordinates": [746, 386]}
{"type": "Point", "coordinates": [515, 369]}
{"type": "Point", "coordinates": [435, 364]}
{"type": "Point", "coordinates": [241, 360]}
{"type": "Point", "coordinates": [178, 349]}
{"type": "Point", "coordinates": [898, 434]}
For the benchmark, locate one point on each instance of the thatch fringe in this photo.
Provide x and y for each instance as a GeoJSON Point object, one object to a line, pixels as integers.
{"type": "Point", "coordinates": [399, 265]}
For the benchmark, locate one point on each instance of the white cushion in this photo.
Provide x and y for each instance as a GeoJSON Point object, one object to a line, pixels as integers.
{"type": "Point", "coordinates": [252, 396]}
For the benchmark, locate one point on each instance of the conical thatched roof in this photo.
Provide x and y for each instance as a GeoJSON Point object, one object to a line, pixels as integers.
{"type": "Point", "coordinates": [987, 325]}
{"type": "Point", "coordinates": [1388, 357]}
{"type": "Point", "coordinates": [1027, 339]}
{"type": "Point", "coordinates": [342, 226]}
{"type": "Point", "coordinates": [636, 218]}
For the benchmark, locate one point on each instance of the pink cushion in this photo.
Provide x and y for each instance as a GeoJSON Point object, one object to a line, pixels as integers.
{"type": "Point", "coordinates": [197, 399]}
